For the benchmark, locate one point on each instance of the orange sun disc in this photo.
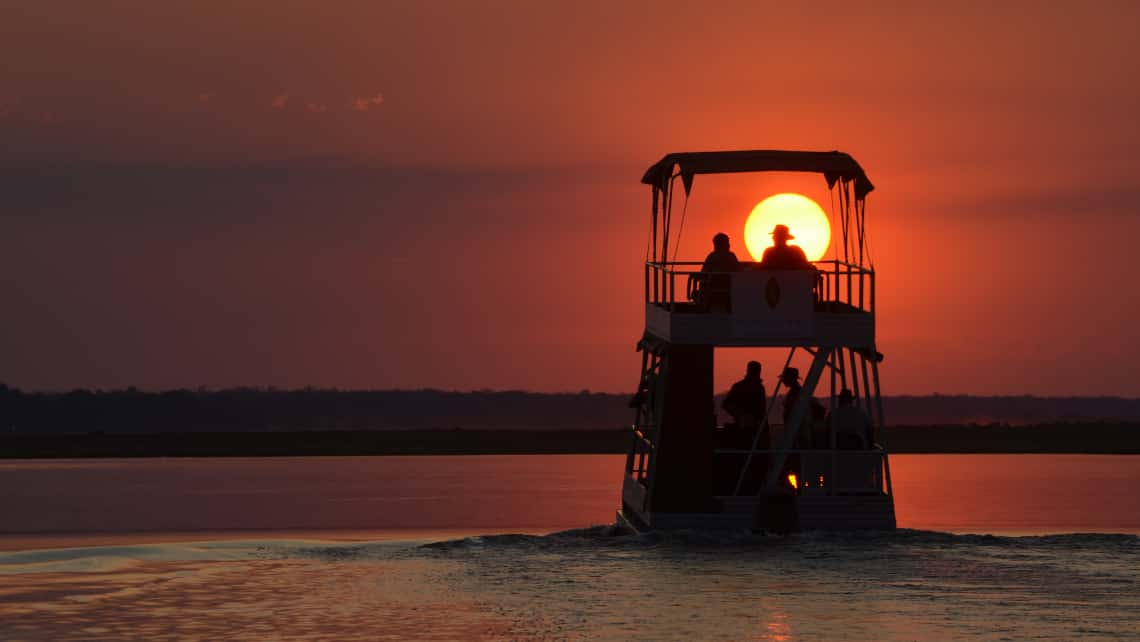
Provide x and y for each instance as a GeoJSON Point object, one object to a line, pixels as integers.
{"type": "Point", "coordinates": [804, 217]}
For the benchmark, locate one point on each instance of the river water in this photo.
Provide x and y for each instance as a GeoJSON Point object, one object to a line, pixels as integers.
{"type": "Point", "coordinates": [519, 547]}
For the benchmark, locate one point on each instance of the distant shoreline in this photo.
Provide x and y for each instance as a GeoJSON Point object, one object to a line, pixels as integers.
{"type": "Point", "coordinates": [256, 409]}
{"type": "Point", "coordinates": [1093, 438]}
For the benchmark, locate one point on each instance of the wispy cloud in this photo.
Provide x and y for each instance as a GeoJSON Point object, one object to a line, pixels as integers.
{"type": "Point", "coordinates": [205, 97]}
{"type": "Point", "coordinates": [279, 102]}
{"type": "Point", "coordinates": [316, 107]}
{"type": "Point", "coordinates": [363, 104]}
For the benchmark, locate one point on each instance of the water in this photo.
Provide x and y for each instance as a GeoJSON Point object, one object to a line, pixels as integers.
{"type": "Point", "coordinates": [517, 547]}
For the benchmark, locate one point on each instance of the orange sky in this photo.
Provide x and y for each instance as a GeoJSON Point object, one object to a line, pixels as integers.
{"type": "Point", "coordinates": [496, 239]}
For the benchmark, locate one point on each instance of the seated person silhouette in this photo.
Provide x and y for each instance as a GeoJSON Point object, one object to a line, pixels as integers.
{"type": "Point", "coordinates": [711, 287]}
{"type": "Point", "coordinates": [782, 256]}
{"type": "Point", "coordinates": [747, 403]}
{"type": "Point", "coordinates": [852, 426]}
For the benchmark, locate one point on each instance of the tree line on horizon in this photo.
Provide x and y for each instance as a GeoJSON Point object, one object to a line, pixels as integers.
{"type": "Point", "coordinates": [264, 409]}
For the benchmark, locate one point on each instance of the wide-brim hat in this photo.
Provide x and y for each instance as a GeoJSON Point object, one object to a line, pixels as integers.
{"type": "Point", "coordinates": [792, 374]}
{"type": "Point", "coordinates": [782, 230]}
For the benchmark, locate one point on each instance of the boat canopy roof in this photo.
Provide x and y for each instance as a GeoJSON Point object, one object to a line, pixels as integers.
{"type": "Point", "coordinates": [833, 166]}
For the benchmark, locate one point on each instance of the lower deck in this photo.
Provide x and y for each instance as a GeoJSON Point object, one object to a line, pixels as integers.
{"type": "Point", "coordinates": [755, 487]}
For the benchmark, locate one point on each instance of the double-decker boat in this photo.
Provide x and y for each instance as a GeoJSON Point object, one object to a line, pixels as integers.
{"type": "Point", "coordinates": [680, 471]}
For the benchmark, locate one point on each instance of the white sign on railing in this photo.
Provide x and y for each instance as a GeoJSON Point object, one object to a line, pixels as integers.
{"type": "Point", "coordinates": [773, 303]}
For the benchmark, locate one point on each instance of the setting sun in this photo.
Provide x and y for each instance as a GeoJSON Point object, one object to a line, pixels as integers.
{"type": "Point", "coordinates": [804, 217]}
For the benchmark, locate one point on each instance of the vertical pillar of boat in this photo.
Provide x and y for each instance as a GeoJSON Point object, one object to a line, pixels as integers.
{"type": "Point", "coordinates": [639, 419]}
{"type": "Point", "coordinates": [855, 379]}
{"type": "Point", "coordinates": [655, 391]}
{"type": "Point", "coordinates": [682, 469]}
{"type": "Point", "coordinates": [882, 426]}
{"type": "Point", "coordinates": [868, 393]}
{"type": "Point", "coordinates": [835, 359]}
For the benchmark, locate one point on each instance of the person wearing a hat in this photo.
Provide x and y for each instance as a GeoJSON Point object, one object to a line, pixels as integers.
{"type": "Point", "coordinates": [790, 377]}
{"type": "Point", "coordinates": [852, 426]}
{"type": "Point", "coordinates": [782, 256]}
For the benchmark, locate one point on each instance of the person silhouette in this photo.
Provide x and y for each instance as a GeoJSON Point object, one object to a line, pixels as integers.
{"type": "Point", "coordinates": [711, 286]}
{"type": "Point", "coordinates": [852, 426]}
{"type": "Point", "coordinates": [747, 400]}
{"type": "Point", "coordinates": [782, 256]}
{"type": "Point", "coordinates": [790, 377]}
{"type": "Point", "coordinates": [816, 413]}
{"type": "Point", "coordinates": [722, 258]}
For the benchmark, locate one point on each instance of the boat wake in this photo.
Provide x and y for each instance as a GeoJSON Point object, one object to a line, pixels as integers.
{"type": "Point", "coordinates": [597, 538]}
{"type": "Point", "coordinates": [610, 536]}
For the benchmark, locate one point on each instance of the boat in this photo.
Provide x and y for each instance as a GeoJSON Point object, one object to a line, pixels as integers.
{"type": "Point", "coordinates": [681, 472]}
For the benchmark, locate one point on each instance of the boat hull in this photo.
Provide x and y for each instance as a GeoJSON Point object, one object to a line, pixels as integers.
{"type": "Point", "coordinates": [780, 513]}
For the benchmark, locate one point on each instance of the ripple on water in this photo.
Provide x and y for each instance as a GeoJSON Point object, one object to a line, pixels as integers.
{"type": "Point", "coordinates": [584, 583]}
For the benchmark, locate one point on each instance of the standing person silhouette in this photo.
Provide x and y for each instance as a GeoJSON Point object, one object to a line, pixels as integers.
{"type": "Point", "coordinates": [790, 377]}
{"type": "Point", "coordinates": [815, 412]}
{"type": "Point", "coordinates": [747, 402]}
{"type": "Point", "coordinates": [782, 256]}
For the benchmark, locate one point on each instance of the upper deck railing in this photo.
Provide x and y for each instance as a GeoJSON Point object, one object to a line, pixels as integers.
{"type": "Point", "coordinates": [839, 286]}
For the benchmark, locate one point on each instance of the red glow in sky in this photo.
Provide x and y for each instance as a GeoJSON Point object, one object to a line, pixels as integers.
{"type": "Point", "coordinates": [446, 194]}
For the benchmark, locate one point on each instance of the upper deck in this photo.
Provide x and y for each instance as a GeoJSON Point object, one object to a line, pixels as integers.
{"type": "Point", "coordinates": [830, 306]}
